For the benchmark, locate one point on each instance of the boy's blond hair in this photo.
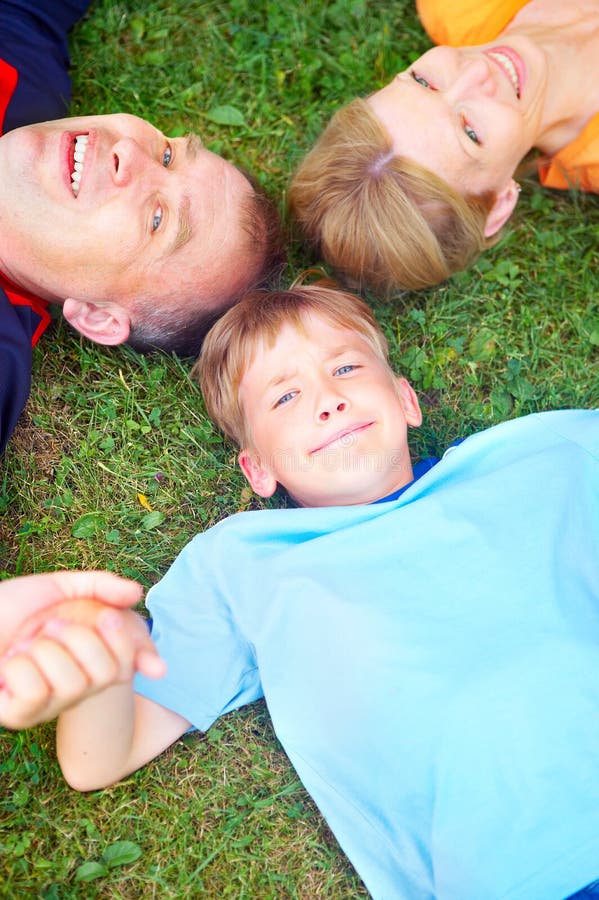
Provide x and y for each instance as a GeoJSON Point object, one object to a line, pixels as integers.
{"type": "Point", "coordinates": [232, 343]}
{"type": "Point", "coordinates": [383, 221]}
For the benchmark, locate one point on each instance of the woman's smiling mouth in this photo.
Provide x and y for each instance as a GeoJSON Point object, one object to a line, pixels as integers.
{"type": "Point", "coordinates": [510, 64]}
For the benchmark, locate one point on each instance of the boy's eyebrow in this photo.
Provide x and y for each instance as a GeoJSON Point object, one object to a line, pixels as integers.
{"type": "Point", "coordinates": [276, 380]}
{"type": "Point", "coordinates": [339, 351]}
{"type": "Point", "coordinates": [281, 378]}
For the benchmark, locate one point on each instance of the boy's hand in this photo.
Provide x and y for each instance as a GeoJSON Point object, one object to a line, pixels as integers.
{"type": "Point", "coordinates": [67, 652]}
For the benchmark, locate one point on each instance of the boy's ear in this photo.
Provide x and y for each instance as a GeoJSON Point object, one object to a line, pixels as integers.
{"type": "Point", "coordinates": [410, 403]}
{"type": "Point", "coordinates": [502, 208]}
{"type": "Point", "coordinates": [107, 324]}
{"type": "Point", "coordinates": [261, 479]}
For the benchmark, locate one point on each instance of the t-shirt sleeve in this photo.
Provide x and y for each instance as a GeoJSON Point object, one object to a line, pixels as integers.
{"type": "Point", "coordinates": [212, 668]}
{"type": "Point", "coordinates": [466, 22]}
{"type": "Point", "coordinates": [33, 40]}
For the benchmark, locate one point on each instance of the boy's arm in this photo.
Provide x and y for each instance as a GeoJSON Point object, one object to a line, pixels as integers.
{"type": "Point", "coordinates": [110, 735]}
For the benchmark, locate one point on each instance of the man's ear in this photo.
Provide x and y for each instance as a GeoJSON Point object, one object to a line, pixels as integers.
{"type": "Point", "coordinates": [502, 208]}
{"type": "Point", "coordinates": [411, 406]}
{"type": "Point", "coordinates": [261, 479]}
{"type": "Point", "coordinates": [107, 324]}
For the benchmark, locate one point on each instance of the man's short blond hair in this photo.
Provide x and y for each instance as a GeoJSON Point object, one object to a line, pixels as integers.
{"type": "Point", "coordinates": [382, 221]}
{"type": "Point", "coordinates": [231, 345]}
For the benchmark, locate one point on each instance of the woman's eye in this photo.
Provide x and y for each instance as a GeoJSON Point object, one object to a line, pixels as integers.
{"type": "Point", "coordinates": [286, 398]}
{"type": "Point", "coordinates": [167, 156]}
{"type": "Point", "coordinates": [420, 80]}
{"type": "Point", "coordinates": [471, 133]}
{"type": "Point", "coordinates": [157, 218]}
{"type": "Point", "coordinates": [343, 370]}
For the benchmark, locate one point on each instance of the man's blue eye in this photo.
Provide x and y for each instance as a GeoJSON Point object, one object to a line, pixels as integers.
{"type": "Point", "coordinates": [157, 218]}
{"type": "Point", "coordinates": [167, 156]}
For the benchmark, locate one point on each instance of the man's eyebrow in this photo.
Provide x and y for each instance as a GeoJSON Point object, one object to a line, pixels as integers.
{"type": "Point", "coordinates": [184, 229]}
{"type": "Point", "coordinates": [193, 145]}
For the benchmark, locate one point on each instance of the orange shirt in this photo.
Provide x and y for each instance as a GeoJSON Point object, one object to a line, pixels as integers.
{"type": "Point", "coordinates": [466, 22]}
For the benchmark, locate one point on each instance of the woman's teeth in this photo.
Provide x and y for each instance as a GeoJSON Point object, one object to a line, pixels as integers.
{"type": "Point", "coordinates": [508, 67]}
{"type": "Point", "coordinates": [80, 148]}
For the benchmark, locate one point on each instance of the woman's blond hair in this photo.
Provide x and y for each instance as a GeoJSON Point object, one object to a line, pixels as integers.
{"type": "Point", "coordinates": [231, 345]}
{"type": "Point", "coordinates": [382, 221]}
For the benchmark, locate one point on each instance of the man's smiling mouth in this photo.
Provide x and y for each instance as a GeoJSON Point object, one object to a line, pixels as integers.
{"type": "Point", "coordinates": [80, 147]}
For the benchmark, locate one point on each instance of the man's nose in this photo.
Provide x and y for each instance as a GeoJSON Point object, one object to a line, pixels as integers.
{"type": "Point", "coordinates": [129, 160]}
{"type": "Point", "coordinates": [328, 408]}
{"type": "Point", "coordinates": [473, 76]}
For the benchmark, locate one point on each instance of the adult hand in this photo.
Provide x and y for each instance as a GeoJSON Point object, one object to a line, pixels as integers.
{"type": "Point", "coordinates": [21, 597]}
{"type": "Point", "coordinates": [63, 652]}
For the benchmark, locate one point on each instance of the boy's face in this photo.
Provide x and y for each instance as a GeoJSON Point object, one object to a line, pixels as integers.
{"type": "Point", "coordinates": [327, 418]}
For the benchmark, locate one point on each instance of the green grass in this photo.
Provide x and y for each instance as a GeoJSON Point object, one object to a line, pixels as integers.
{"type": "Point", "coordinates": [115, 464]}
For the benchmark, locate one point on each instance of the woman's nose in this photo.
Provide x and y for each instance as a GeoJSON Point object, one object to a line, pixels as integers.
{"type": "Point", "coordinates": [473, 76]}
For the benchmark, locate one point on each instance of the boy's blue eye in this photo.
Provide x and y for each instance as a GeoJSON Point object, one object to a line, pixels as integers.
{"type": "Point", "coordinates": [343, 370]}
{"type": "Point", "coordinates": [286, 398]}
{"type": "Point", "coordinates": [157, 218]}
{"type": "Point", "coordinates": [167, 156]}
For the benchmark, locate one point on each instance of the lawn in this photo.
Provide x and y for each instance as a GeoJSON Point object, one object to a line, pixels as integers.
{"type": "Point", "coordinates": [116, 465]}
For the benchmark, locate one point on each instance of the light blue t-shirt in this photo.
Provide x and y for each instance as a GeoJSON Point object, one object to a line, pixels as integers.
{"type": "Point", "coordinates": [430, 664]}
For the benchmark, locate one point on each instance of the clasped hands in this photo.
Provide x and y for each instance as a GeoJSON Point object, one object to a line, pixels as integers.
{"type": "Point", "coordinates": [65, 636]}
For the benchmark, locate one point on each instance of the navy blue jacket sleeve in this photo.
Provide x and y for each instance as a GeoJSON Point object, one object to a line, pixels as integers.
{"type": "Point", "coordinates": [15, 364]}
{"type": "Point", "coordinates": [33, 39]}
{"type": "Point", "coordinates": [33, 42]}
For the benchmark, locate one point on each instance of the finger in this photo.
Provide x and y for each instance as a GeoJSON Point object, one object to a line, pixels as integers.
{"type": "Point", "coordinates": [86, 649]}
{"type": "Point", "coordinates": [24, 693]}
{"type": "Point", "coordinates": [148, 663]}
{"type": "Point", "coordinates": [21, 598]}
{"type": "Point", "coordinates": [114, 626]}
{"type": "Point", "coordinates": [65, 678]}
{"type": "Point", "coordinates": [98, 585]}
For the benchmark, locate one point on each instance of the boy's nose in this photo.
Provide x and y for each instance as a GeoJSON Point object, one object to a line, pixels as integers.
{"type": "Point", "coordinates": [325, 414]}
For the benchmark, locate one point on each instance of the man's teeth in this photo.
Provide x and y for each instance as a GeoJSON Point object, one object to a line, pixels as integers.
{"type": "Point", "coordinates": [509, 68]}
{"type": "Point", "coordinates": [80, 148]}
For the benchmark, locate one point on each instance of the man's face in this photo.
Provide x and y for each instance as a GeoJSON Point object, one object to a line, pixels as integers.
{"type": "Point", "coordinates": [327, 418]}
{"type": "Point", "coordinates": [150, 215]}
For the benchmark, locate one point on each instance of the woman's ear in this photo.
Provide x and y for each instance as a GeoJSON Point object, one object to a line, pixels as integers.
{"type": "Point", "coordinates": [103, 323]}
{"type": "Point", "coordinates": [502, 208]}
{"type": "Point", "coordinates": [261, 479]}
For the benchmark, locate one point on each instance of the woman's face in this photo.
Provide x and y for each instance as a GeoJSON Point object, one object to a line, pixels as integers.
{"type": "Point", "coordinates": [469, 114]}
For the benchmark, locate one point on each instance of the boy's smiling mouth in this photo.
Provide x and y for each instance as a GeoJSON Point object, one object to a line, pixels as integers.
{"type": "Point", "coordinates": [342, 436]}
